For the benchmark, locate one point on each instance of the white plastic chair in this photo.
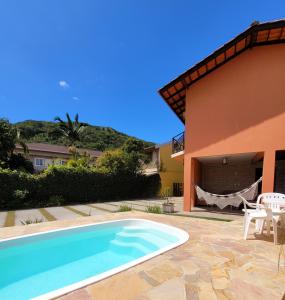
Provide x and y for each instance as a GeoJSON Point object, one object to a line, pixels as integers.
{"type": "Point", "coordinates": [270, 203]}
{"type": "Point", "coordinates": [272, 198]}
{"type": "Point", "coordinates": [256, 212]}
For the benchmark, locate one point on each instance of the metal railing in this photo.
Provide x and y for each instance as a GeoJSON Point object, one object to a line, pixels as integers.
{"type": "Point", "coordinates": [178, 143]}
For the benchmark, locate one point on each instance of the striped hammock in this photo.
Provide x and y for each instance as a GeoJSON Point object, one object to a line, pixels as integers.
{"type": "Point", "coordinates": [233, 199]}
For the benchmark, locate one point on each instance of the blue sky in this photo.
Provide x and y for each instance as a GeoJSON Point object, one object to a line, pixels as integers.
{"type": "Point", "coordinates": [107, 59]}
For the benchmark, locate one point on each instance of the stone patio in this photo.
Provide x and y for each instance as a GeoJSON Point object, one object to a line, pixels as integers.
{"type": "Point", "coordinates": [215, 263]}
{"type": "Point", "coordinates": [12, 218]}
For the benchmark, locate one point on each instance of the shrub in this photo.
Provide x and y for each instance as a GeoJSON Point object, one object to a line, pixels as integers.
{"type": "Point", "coordinates": [20, 194]}
{"type": "Point", "coordinates": [19, 162]}
{"type": "Point", "coordinates": [17, 189]}
{"type": "Point", "coordinates": [55, 200]}
{"type": "Point", "coordinates": [62, 185]}
{"type": "Point", "coordinates": [153, 209]}
{"type": "Point", "coordinates": [31, 221]}
{"type": "Point", "coordinates": [18, 198]}
{"type": "Point", "coordinates": [124, 208]}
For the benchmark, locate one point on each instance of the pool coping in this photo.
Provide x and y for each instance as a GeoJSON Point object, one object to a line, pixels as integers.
{"type": "Point", "coordinates": [183, 238]}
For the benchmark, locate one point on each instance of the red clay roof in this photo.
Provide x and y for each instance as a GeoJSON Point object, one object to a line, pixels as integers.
{"type": "Point", "coordinates": [260, 34]}
{"type": "Point", "coordinates": [59, 149]}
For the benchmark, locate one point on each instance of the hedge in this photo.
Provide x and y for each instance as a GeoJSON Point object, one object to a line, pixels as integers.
{"type": "Point", "coordinates": [63, 185]}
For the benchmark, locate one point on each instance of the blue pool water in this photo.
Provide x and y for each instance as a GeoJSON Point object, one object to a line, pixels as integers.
{"type": "Point", "coordinates": [35, 265]}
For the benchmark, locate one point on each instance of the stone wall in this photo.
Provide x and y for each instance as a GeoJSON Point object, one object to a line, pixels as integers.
{"type": "Point", "coordinates": [219, 178]}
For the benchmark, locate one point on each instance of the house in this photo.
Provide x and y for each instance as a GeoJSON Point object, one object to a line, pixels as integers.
{"type": "Point", "coordinates": [42, 155]}
{"type": "Point", "coordinates": [170, 171]}
{"type": "Point", "coordinates": [233, 106]}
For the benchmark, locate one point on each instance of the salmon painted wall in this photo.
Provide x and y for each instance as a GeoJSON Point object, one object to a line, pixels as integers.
{"type": "Point", "coordinates": [238, 108]}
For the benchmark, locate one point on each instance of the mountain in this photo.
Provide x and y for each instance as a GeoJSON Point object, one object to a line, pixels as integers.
{"type": "Point", "coordinates": [93, 137]}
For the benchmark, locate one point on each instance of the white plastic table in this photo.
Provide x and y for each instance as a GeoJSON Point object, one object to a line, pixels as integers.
{"type": "Point", "coordinates": [278, 212]}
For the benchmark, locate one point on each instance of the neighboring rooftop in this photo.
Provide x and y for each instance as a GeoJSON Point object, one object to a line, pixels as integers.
{"type": "Point", "coordinates": [259, 34]}
{"type": "Point", "coordinates": [59, 149]}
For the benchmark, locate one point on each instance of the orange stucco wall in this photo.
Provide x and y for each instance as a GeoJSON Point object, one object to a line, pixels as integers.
{"type": "Point", "coordinates": [238, 108]}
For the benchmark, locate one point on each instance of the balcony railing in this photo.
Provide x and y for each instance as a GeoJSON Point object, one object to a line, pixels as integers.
{"type": "Point", "coordinates": [178, 143]}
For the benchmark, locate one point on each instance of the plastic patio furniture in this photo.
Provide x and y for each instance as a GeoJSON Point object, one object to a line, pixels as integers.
{"type": "Point", "coordinates": [273, 217]}
{"type": "Point", "coordinates": [267, 209]}
{"type": "Point", "coordinates": [255, 212]}
{"type": "Point", "coordinates": [274, 198]}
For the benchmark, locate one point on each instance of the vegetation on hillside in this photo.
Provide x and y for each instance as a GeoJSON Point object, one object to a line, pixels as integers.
{"type": "Point", "coordinates": [93, 137]}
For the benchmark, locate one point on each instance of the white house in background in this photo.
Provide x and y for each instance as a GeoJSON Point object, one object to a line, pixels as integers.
{"type": "Point", "coordinates": [42, 155]}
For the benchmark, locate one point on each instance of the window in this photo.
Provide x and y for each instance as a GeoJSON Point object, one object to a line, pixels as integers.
{"type": "Point", "coordinates": [177, 189]}
{"type": "Point", "coordinates": [40, 162]}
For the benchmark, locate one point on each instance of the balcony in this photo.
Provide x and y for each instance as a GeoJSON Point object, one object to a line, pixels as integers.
{"type": "Point", "coordinates": [178, 145]}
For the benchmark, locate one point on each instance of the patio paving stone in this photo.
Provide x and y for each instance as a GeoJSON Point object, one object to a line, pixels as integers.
{"type": "Point", "coordinates": [163, 272]}
{"type": "Point", "coordinates": [104, 207]}
{"type": "Point", "coordinates": [81, 294]}
{"type": "Point", "coordinates": [169, 290]}
{"type": "Point", "coordinates": [88, 210]}
{"type": "Point", "coordinates": [2, 218]}
{"type": "Point", "coordinates": [133, 286]}
{"type": "Point", "coordinates": [61, 213]}
{"type": "Point", "coordinates": [28, 214]}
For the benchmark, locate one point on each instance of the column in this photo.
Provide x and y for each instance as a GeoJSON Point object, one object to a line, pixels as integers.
{"type": "Point", "coordinates": [192, 175]}
{"type": "Point", "coordinates": [187, 183]}
{"type": "Point", "coordinates": [268, 172]}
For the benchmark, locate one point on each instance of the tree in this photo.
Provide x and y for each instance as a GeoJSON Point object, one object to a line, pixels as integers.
{"type": "Point", "coordinates": [133, 145]}
{"type": "Point", "coordinates": [9, 137]}
{"type": "Point", "coordinates": [19, 162]}
{"type": "Point", "coordinates": [83, 160]}
{"type": "Point", "coordinates": [126, 160]}
{"type": "Point", "coordinates": [135, 150]}
{"type": "Point", "coordinates": [20, 141]}
{"type": "Point", "coordinates": [112, 161]}
{"type": "Point", "coordinates": [71, 130]}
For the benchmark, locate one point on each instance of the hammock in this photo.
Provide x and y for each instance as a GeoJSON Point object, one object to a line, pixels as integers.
{"type": "Point", "coordinates": [233, 199]}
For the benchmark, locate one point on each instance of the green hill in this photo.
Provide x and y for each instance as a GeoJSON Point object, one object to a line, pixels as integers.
{"type": "Point", "coordinates": [93, 137]}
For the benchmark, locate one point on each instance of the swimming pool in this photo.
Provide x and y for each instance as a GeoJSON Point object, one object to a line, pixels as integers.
{"type": "Point", "coordinates": [46, 265]}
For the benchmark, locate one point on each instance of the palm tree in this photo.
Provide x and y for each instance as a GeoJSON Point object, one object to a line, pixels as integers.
{"type": "Point", "coordinates": [71, 130]}
{"type": "Point", "coordinates": [18, 140]}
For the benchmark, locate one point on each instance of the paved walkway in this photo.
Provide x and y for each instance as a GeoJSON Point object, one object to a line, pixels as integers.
{"type": "Point", "coordinates": [215, 263]}
{"type": "Point", "coordinates": [13, 218]}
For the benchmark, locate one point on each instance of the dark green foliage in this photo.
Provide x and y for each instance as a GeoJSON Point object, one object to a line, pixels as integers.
{"type": "Point", "coordinates": [9, 136]}
{"type": "Point", "coordinates": [7, 139]}
{"type": "Point", "coordinates": [92, 137]}
{"type": "Point", "coordinates": [16, 188]}
{"type": "Point", "coordinates": [62, 185]}
{"type": "Point", "coordinates": [55, 200]}
{"type": "Point", "coordinates": [19, 162]}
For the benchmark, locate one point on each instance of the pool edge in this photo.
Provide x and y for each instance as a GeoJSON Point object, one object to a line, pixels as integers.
{"type": "Point", "coordinates": [183, 238]}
